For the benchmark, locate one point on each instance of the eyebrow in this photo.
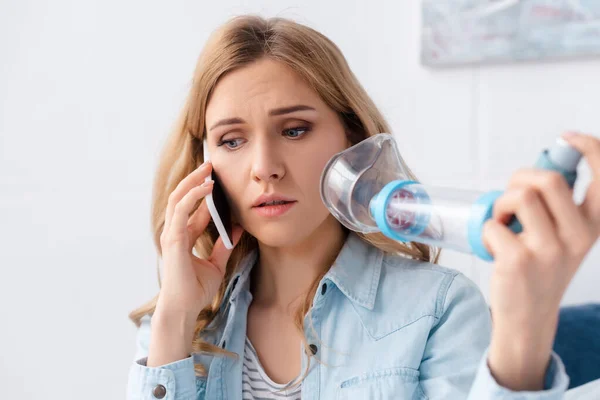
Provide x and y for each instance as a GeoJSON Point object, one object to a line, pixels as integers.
{"type": "Point", "coordinates": [274, 112]}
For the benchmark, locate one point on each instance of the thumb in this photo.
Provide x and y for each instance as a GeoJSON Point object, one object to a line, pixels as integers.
{"type": "Point", "coordinates": [220, 254]}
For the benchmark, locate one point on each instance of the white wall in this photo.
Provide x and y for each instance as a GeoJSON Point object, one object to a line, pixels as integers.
{"type": "Point", "coordinates": [88, 91]}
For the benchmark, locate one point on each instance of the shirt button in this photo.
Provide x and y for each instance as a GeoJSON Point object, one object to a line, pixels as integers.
{"type": "Point", "coordinates": [159, 391]}
{"type": "Point", "coordinates": [313, 349]}
{"type": "Point", "coordinates": [323, 289]}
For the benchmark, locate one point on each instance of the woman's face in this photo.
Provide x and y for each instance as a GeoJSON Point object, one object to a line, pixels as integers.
{"type": "Point", "coordinates": [270, 134]}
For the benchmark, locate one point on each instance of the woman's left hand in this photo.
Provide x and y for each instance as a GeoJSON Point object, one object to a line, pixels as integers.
{"type": "Point", "coordinates": [533, 269]}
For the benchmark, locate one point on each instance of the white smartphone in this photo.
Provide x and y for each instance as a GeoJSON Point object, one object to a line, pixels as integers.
{"type": "Point", "coordinates": [218, 206]}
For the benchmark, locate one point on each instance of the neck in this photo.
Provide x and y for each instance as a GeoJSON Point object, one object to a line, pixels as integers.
{"type": "Point", "coordinates": [284, 275]}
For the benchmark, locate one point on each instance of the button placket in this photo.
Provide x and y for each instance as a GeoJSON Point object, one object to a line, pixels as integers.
{"type": "Point", "coordinates": [321, 293]}
{"type": "Point", "coordinates": [312, 332]}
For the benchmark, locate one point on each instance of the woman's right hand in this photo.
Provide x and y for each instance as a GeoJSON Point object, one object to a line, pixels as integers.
{"type": "Point", "coordinates": [189, 283]}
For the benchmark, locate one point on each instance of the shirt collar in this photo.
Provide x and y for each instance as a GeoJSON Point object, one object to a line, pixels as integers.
{"type": "Point", "coordinates": [356, 272]}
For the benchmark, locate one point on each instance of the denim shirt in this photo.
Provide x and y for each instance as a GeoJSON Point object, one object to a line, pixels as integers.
{"type": "Point", "coordinates": [382, 327]}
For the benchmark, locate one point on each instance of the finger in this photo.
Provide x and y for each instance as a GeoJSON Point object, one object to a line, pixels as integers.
{"type": "Point", "coordinates": [194, 179]}
{"type": "Point", "coordinates": [181, 213]}
{"type": "Point", "coordinates": [527, 205]}
{"type": "Point", "coordinates": [198, 222]}
{"type": "Point", "coordinates": [502, 243]}
{"type": "Point", "coordinates": [589, 146]}
{"type": "Point", "coordinates": [220, 254]}
{"type": "Point", "coordinates": [590, 208]}
{"type": "Point", "coordinates": [557, 197]}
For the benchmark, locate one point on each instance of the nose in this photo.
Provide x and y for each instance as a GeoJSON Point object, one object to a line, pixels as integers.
{"type": "Point", "coordinates": [267, 163]}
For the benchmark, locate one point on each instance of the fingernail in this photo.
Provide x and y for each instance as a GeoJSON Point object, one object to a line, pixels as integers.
{"type": "Point", "coordinates": [207, 183]}
{"type": "Point", "coordinates": [569, 134]}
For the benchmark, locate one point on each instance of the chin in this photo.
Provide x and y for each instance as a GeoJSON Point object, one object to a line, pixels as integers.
{"type": "Point", "coordinates": [281, 234]}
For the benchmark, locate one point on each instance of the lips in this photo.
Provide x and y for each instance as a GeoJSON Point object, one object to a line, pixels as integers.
{"type": "Point", "coordinates": [274, 208]}
{"type": "Point", "coordinates": [272, 199]}
{"type": "Point", "coordinates": [274, 203]}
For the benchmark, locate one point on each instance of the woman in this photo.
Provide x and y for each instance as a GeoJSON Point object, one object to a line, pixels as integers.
{"type": "Point", "coordinates": [302, 307]}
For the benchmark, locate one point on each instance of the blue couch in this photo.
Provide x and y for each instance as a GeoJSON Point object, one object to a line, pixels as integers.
{"type": "Point", "coordinates": [577, 342]}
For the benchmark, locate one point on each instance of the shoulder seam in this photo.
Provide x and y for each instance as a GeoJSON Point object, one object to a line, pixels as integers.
{"type": "Point", "coordinates": [443, 294]}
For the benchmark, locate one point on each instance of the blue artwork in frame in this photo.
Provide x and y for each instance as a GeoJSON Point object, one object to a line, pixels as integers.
{"type": "Point", "coordinates": [458, 32]}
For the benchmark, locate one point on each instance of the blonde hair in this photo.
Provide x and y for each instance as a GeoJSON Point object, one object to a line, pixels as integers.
{"type": "Point", "coordinates": [241, 41]}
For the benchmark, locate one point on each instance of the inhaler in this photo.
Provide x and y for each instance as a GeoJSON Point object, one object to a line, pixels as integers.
{"type": "Point", "coordinates": [367, 189]}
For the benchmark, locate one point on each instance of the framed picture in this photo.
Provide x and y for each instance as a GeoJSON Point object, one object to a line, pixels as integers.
{"type": "Point", "coordinates": [458, 32]}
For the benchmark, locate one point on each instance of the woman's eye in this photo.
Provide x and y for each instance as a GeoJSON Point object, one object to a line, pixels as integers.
{"type": "Point", "coordinates": [230, 144]}
{"type": "Point", "coordinates": [296, 132]}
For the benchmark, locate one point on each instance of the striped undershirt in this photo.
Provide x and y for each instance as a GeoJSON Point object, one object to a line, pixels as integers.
{"type": "Point", "coordinates": [256, 385]}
